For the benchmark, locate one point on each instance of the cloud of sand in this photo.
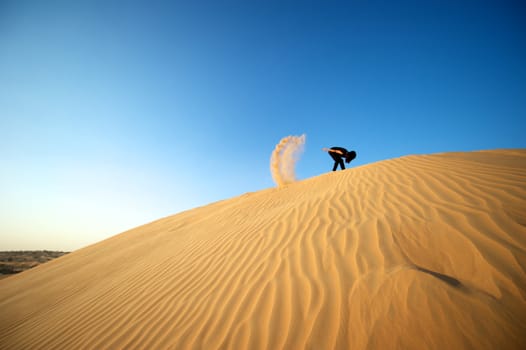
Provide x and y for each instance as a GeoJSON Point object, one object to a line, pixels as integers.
{"type": "Point", "coordinates": [284, 157]}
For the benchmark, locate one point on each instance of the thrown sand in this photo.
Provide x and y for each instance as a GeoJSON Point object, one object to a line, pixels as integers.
{"type": "Point", "coordinates": [420, 252]}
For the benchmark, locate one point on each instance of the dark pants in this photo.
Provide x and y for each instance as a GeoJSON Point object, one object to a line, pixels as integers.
{"type": "Point", "coordinates": [338, 159]}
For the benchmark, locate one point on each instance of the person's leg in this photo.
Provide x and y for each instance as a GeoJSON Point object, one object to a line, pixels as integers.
{"type": "Point", "coordinates": [342, 165]}
{"type": "Point", "coordinates": [336, 160]}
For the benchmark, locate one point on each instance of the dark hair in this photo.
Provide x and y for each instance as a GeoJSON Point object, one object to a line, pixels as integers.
{"type": "Point", "coordinates": [350, 156]}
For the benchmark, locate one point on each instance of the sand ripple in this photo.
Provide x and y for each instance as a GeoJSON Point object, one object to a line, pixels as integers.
{"type": "Point", "coordinates": [420, 252]}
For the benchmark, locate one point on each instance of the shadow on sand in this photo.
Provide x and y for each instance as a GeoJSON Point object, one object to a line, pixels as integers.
{"type": "Point", "coordinates": [445, 278]}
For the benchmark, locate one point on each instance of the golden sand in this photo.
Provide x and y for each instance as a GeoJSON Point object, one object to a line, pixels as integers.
{"type": "Point", "coordinates": [419, 252]}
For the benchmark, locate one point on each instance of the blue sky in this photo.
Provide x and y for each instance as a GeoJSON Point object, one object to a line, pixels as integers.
{"type": "Point", "coordinates": [114, 114]}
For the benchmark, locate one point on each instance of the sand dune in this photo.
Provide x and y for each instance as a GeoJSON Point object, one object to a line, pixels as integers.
{"type": "Point", "coordinates": [420, 252]}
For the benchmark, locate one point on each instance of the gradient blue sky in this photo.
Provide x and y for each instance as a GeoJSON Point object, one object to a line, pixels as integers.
{"type": "Point", "coordinates": [113, 114]}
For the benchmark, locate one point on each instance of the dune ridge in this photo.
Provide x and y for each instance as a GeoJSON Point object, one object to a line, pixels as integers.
{"type": "Point", "coordinates": [418, 252]}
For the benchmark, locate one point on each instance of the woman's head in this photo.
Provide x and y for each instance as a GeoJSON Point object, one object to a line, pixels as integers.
{"type": "Point", "coordinates": [350, 156]}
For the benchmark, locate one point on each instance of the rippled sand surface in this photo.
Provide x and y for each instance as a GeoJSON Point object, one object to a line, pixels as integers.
{"type": "Point", "coordinates": [419, 252]}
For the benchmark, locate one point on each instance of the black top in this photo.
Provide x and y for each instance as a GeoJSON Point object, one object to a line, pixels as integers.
{"type": "Point", "coordinates": [341, 149]}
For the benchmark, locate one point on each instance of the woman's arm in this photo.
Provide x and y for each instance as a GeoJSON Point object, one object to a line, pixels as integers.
{"type": "Point", "coordinates": [332, 150]}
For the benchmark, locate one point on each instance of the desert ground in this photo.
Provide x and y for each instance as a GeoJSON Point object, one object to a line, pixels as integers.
{"type": "Point", "coordinates": [417, 252]}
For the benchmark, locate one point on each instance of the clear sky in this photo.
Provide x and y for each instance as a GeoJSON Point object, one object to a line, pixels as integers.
{"type": "Point", "coordinates": [114, 114]}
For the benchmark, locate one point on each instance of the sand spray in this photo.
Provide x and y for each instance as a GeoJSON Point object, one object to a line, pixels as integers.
{"type": "Point", "coordinates": [284, 157]}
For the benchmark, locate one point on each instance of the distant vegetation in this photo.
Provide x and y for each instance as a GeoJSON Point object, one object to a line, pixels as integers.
{"type": "Point", "coordinates": [12, 262]}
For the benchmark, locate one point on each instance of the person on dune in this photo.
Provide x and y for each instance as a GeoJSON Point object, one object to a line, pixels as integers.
{"type": "Point", "coordinates": [339, 154]}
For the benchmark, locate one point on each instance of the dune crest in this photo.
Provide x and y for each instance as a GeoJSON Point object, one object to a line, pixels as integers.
{"type": "Point", "coordinates": [419, 252]}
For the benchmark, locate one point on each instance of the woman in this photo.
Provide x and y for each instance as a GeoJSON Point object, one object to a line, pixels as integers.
{"type": "Point", "coordinates": [338, 154]}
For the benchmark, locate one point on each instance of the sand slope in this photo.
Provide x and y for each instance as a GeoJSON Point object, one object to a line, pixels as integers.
{"type": "Point", "coordinates": [420, 252]}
